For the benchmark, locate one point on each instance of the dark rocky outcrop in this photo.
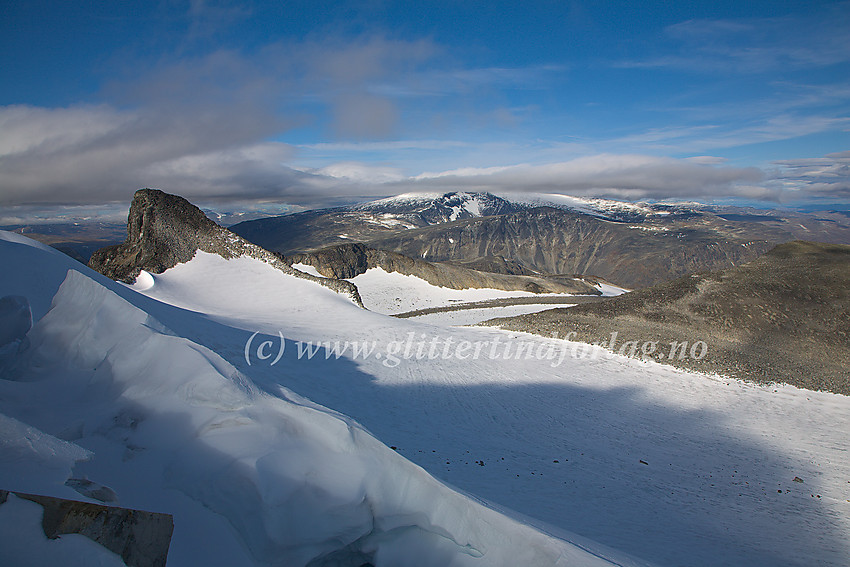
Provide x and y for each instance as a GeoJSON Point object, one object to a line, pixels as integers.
{"type": "Point", "coordinates": [342, 261]}
{"type": "Point", "coordinates": [784, 317]}
{"type": "Point", "coordinates": [162, 231]}
{"type": "Point", "coordinates": [140, 538]}
{"type": "Point", "coordinates": [165, 230]}
{"type": "Point", "coordinates": [350, 260]}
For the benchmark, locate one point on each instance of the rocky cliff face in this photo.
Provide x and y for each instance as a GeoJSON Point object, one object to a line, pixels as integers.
{"type": "Point", "coordinates": [350, 260]}
{"type": "Point", "coordinates": [165, 230]}
{"type": "Point", "coordinates": [162, 231]}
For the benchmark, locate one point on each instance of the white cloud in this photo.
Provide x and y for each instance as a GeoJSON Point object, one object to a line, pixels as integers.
{"type": "Point", "coordinates": [200, 125]}
{"type": "Point", "coordinates": [706, 160]}
{"type": "Point", "coordinates": [757, 45]}
{"type": "Point", "coordinates": [626, 176]}
{"type": "Point", "coordinates": [352, 171]}
{"type": "Point", "coordinates": [97, 154]}
{"type": "Point", "coordinates": [733, 134]}
{"type": "Point", "coordinates": [825, 178]}
{"type": "Point", "coordinates": [391, 145]}
{"type": "Point", "coordinates": [358, 115]}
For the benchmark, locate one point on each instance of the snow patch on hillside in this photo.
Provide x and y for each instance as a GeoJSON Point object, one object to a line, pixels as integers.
{"type": "Point", "coordinates": [307, 269]}
{"type": "Point", "coordinates": [591, 206]}
{"type": "Point", "coordinates": [392, 292]}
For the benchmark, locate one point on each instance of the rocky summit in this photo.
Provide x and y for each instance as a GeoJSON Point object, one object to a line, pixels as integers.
{"type": "Point", "coordinates": [164, 230]}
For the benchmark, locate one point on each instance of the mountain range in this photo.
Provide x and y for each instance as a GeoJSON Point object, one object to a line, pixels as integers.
{"type": "Point", "coordinates": [631, 245]}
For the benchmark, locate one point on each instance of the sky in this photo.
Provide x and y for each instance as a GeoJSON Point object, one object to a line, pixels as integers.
{"type": "Point", "coordinates": [309, 102]}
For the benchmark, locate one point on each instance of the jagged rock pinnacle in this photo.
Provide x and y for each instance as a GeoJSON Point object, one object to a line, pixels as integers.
{"type": "Point", "coordinates": [164, 230]}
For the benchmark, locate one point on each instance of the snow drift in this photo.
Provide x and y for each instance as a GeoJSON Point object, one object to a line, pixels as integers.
{"type": "Point", "coordinates": [298, 484]}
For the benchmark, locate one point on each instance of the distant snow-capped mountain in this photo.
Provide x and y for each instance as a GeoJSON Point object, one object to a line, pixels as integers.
{"type": "Point", "coordinates": [436, 208]}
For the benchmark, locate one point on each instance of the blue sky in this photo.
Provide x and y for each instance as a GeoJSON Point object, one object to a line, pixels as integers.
{"type": "Point", "coordinates": [301, 102]}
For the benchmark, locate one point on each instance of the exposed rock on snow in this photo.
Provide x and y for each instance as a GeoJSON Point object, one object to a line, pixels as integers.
{"type": "Point", "coordinates": [165, 230]}
{"type": "Point", "coordinates": [140, 538]}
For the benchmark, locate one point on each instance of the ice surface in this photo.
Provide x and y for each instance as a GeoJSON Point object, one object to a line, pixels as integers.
{"type": "Point", "coordinates": [31, 460]}
{"type": "Point", "coordinates": [15, 318]}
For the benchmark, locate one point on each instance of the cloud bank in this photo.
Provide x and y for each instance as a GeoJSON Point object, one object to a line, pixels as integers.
{"type": "Point", "coordinates": [827, 177]}
{"type": "Point", "coordinates": [93, 154]}
{"type": "Point", "coordinates": [606, 175]}
{"type": "Point", "coordinates": [202, 125]}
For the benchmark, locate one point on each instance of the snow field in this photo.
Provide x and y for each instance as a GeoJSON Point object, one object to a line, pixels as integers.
{"type": "Point", "coordinates": [171, 426]}
{"type": "Point", "coordinates": [672, 467]}
{"type": "Point", "coordinates": [392, 292]}
{"type": "Point", "coordinates": [718, 451]}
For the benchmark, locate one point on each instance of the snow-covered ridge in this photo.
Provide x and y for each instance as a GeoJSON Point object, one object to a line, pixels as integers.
{"type": "Point", "coordinates": [606, 208]}
{"type": "Point", "coordinates": [402, 199]}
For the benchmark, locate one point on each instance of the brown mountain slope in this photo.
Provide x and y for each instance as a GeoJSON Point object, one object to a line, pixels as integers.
{"type": "Point", "coordinates": [563, 242]}
{"type": "Point", "coordinates": [784, 317]}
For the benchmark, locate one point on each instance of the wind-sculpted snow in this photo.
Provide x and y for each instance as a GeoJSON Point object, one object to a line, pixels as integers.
{"type": "Point", "coordinates": [39, 458]}
{"type": "Point", "coordinates": [299, 484]}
